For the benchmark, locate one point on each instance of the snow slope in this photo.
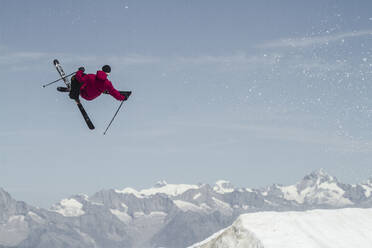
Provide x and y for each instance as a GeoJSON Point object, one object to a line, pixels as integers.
{"type": "Point", "coordinates": [341, 228]}
{"type": "Point", "coordinates": [161, 187]}
{"type": "Point", "coordinates": [69, 208]}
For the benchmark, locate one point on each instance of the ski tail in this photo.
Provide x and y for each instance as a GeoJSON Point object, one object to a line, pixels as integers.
{"type": "Point", "coordinates": [85, 115]}
{"type": "Point", "coordinates": [63, 89]}
{"type": "Point", "coordinates": [61, 73]}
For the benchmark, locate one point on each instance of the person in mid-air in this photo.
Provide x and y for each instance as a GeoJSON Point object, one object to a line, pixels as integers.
{"type": "Point", "coordinates": [90, 86]}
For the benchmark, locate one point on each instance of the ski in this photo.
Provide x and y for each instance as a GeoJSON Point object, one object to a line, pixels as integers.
{"type": "Point", "coordinates": [63, 89]}
{"type": "Point", "coordinates": [85, 115]}
{"type": "Point", "coordinates": [67, 89]}
{"type": "Point", "coordinates": [61, 73]}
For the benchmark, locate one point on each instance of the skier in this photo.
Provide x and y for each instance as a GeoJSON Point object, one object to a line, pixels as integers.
{"type": "Point", "coordinates": [90, 86]}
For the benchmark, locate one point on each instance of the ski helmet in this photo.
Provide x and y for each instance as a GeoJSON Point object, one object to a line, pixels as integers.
{"type": "Point", "coordinates": [106, 68]}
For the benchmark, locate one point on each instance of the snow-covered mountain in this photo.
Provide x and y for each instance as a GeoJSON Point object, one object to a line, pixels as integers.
{"type": "Point", "coordinates": [320, 189]}
{"type": "Point", "coordinates": [340, 228]}
{"type": "Point", "coordinates": [166, 215]}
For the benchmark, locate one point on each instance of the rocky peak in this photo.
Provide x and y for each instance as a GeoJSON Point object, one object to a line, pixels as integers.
{"type": "Point", "coordinates": [369, 181]}
{"type": "Point", "coordinates": [160, 184]}
{"type": "Point", "coordinates": [5, 198]}
{"type": "Point", "coordinates": [223, 186]}
{"type": "Point", "coordinates": [318, 177]}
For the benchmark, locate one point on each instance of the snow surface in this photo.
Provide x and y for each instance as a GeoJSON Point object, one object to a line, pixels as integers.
{"type": "Point", "coordinates": [161, 188]}
{"type": "Point", "coordinates": [326, 192]}
{"type": "Point", "coordinates": [223, 187]}
{"type": "Point", "coordinates": [196, 196]}
{"type": "Point", "coordinates": [158, 213]}
{"type": "Point", "coordinates": [169, 189]}
{"type": "Point", "coordinates": [368, 188]}
{"type": "Point", "coordinates": [88, 239]}
{"type": "Point", "coordinates": [187, 206]}
{"type": "Point", "coordinates": [130, 191]}
{"type": "Point", "coordinates": [141, 214]}
{"type": "Point", "coordinates": [36, 217]}
{"type": "Point", "coordinates": [221, 204]}
{"type": "Point", "coordinates": [69, 208]}
{"type": "Point", "coordinates": [14, 231]}
{"type": "Point", "coordinates": [341, 228]}
{"type": "Point", "coordinates": [122, 216]}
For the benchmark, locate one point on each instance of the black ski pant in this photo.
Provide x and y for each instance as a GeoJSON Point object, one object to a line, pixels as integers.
{"type": "Point", "coordinates": [75, 89]}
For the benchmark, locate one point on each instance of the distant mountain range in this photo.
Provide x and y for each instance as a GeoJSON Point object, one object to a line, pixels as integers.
{"type": "Point", "coordinates": [167, 215]}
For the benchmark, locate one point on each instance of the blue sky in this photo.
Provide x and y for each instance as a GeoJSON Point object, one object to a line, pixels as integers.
{"type": "Point", "coordinates": [255, 92]}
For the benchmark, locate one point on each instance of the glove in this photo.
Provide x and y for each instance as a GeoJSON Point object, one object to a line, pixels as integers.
{"type": "Point", "coordinates": [126, 94]}
{"type": "Point", "coordinates": [82, 69]}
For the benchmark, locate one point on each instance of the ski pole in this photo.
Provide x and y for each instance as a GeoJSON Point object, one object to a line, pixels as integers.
{"type": "Point", "coordinates": [113, 118]}
{"type": "Point", "coordinates": [45, 85]}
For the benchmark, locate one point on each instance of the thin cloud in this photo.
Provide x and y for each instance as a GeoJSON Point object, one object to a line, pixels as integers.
{"type": "Point", "coordinates": [25, 58]}
{"type": "Point", "coordinates": [136, 59]}
{"type": "Point", "coordinates": [119, 60]}
{"type": "Point", "coordinates": [266, 130]}
{"type": "Point", "coordinates": [310, 41]}
{"type": "Point", "coordinates": [28, 59]}
{"type": "Point", "coordinates": [21, 57]}
{"type": "Point", "coordinates": [239, 58]}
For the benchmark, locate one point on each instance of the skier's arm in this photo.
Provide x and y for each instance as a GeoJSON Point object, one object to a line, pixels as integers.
{"type": "Point", "coordinates": [80, 76]}
{"type": "Point", "coordinates": [112, 91]}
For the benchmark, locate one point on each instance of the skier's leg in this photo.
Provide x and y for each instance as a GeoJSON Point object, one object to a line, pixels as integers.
{"type": "Point", "coordinates": [75, 89]}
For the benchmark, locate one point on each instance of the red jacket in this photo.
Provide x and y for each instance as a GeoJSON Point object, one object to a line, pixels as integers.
{"type": "Point", "coordinates": [94, 85]}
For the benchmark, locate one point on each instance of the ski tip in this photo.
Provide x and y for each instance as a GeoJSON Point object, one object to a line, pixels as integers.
{"type": "Point", "coordinates": [55, 61]}
{"type": "Point", "coordinates": [63, 89]}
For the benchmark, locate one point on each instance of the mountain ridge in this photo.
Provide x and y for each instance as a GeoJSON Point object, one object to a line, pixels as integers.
{"type": "Point", "coordinates": [166, 215]}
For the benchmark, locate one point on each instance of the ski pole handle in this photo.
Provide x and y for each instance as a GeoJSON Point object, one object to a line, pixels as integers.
{"type": "Point", "coordinates": [45, 85]}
